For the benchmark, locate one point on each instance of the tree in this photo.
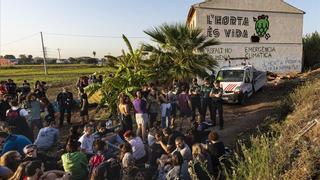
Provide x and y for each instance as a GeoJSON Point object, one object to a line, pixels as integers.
{"type": "Point", "coordinates": [94, 54]}
{"type": "Point", "coordinates": [9, 57]}
{"type": "Point", "coordinates": [179, 53]}
{"type": "Point", "coordinates": [125, 74]}
{"type": "Point", "coordinates": [311, 50]}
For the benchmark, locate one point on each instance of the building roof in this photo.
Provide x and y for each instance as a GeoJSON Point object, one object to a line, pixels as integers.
{"type": "Point", "coordinates": [246, 5]}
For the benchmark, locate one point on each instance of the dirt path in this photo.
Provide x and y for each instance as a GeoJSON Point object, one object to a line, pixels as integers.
{"type": "Point", "coordinates": [242, 118]}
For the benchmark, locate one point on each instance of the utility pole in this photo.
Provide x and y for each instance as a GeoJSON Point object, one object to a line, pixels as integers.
{"type": "Point", "coordinates": [59, 53]}
{"type": "Point", "coordinates": [44, 56]}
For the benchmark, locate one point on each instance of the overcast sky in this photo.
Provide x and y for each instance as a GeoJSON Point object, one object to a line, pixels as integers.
{"type": "Point", "coordinates": [66, 23]}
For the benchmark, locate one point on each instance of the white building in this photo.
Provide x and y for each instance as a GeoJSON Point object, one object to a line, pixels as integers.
{"type": "Point", "coordinates": [268, 32]}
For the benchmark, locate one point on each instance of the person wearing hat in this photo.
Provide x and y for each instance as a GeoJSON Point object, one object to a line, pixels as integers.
{"type": "Point", "coordinates": [217, 103]}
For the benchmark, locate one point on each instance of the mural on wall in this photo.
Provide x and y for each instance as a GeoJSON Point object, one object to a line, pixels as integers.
{"type": "Point", "coordinates": [261, 27]}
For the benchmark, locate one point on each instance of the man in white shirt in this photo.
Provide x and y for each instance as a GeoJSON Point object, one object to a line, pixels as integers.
{"type": "Point", "coordinates": [138, 148]}
{"type": "Point", "coordinates": [87, 139]}
{"type": "Point", "coordinates": [183, 148]}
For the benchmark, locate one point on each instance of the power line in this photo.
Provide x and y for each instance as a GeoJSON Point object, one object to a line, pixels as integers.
{"type": "Point", "coordinates": [18, 40]}
{"type": "Point", "coordinates": [94, 36]}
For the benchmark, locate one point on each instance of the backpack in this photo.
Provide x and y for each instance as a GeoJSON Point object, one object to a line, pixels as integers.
{"type": "Point", "coordinates": [18, 123]}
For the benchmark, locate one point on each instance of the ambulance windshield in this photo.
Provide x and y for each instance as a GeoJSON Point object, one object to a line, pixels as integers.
{"type": "Point", "coordinates": [230, 75]}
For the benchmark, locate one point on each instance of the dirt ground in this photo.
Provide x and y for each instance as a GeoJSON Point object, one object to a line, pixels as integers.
{"type": "Point", "coordinates": [240, 119]}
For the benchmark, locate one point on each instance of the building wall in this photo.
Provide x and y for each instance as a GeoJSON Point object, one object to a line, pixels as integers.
{"type": "Point", "coordinates": [280, 45]}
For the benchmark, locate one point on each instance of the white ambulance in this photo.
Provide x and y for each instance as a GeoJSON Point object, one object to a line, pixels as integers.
{"type": "Point", "coordinates": [240, 82]}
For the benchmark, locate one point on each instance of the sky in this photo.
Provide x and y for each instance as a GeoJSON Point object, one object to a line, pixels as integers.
{"type": "Point", "coordinates": [79, 27]}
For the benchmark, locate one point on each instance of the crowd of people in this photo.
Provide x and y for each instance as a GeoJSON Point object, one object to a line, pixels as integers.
{"type": "Point", "coordinates": [163, 133]}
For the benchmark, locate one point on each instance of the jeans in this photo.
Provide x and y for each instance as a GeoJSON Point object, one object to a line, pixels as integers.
{"type": "Point", "coordinates": [165, 114]}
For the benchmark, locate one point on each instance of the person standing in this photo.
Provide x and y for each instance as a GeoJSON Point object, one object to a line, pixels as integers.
{"type": "Point", "coordinates": [217, 103]}
{"type": "Point", "coordinates": [84, 106]}
{"type": "Point", "coordinates": [4, 106]}
{"type": "Point", "coordinates": [140, 108]}
{"type": "Point", "coordinates": [124, 109]}
{"type": "Point", "coordinates": [11, 88]}
{"type": "Point", "coordinates": [206, 100]}
{"type": "Point", "coordinates": [184, 105]}
{"type": "Point", "coordinates": [165, 108]}
{"type": "Point", "coordinates": [64, 100]}
{"type": "Point", "coordinates": [35, 106]}
{"type": "Point", "coordinates": [195, 91]}
{"type": "Point", "coordinates": [153, 107]}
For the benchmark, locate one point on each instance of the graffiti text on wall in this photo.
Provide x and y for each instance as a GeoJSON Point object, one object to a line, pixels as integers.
{"type": "Point", "coordinates": [286, 65]}
{"type": "Point", "coordinates": [227, 20]}
{"type": "Point", "coordinates": [219, 53]}
{"type": "Point", "coordinates": [259, 52]}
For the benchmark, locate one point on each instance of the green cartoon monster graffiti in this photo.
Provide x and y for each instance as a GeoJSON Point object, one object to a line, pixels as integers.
{"type": "Point", "coordinates": [262, 26]}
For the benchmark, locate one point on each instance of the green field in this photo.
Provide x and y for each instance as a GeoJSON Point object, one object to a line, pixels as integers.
{"type": "Point", "coordinates": [58, 75]}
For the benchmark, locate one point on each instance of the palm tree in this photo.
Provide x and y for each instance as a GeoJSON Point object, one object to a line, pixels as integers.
{"type": "Point", "coordinates": [179, 53]}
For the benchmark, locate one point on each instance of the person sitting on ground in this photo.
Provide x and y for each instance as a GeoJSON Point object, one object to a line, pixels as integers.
{"type": "Point", "coordinates": [215, 148]}
{"type": "Point", "coordinates": [32, 154]}
{"type": "Point", "coordinates": [34, 170]}
{"type": "Point", "coordinates": [201, 130]}
{"type": "Point", "coordinates": [110, 169]}
{"type": "Point", "coordinates": [5, 173]}
{"type": "Point", "coordinates": [87, 139]}
{"type": "Point", "coordinates": [17, 120]}
{"type": "Point", "coordinates": [155, 150]}
{"type": "Point", "coordinates": [183, 148]}
{"type": "Point", "coordinates": [100, 149]}
{"type": "Point", "coordinates": [20, 172]}
{"type": "Point", "coordinates": [11, 160]}
{"type": "Point", "coordinates": [75, 161]}
{"type": "Point", "coordinates": [48, 137]}
{"type": "Point", "coordinates": [126, 155]}
{"type": "Point", "coordinates": [138, 148]}
{"type": "Point", "coordinates": [10, 142]}
{"type": "Point", "coordinates": [200, 166]}
{"type": "Point", "coordinates": [168, 143]}
{"type": "Point", "coordinates": [103, 134]}
{"type": "Point", "coordinates": [178, 168]}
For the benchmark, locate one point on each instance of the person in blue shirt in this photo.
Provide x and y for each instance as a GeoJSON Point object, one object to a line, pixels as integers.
{"type": "Point", "coordinates": [11, 142]}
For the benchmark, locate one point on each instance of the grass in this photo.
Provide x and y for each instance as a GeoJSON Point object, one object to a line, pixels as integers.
{"type": "Point", "coordinates": [278, 154]}
{"type": "Point", "coordinates": [56, 73]}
